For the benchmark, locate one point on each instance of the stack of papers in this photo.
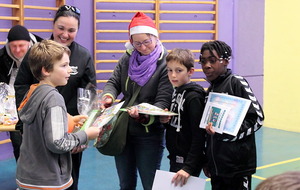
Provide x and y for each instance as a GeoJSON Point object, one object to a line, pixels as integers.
{"type": "Point", "coordinates": [225, 112]}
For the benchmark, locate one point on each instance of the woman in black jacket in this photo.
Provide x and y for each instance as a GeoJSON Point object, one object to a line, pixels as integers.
{"type": "Point", "coordinates": [65, 27]}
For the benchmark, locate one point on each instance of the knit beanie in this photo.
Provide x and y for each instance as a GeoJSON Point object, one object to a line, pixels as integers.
{"type": "Point", "coordinates": [18, 32]}
{"type": "Point", "coordinates": [141, 23]}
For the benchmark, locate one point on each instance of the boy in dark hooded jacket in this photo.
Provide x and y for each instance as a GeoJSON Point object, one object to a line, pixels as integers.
{"type": "Point", "coordinates": [184, 139]}
{"type": "Point", "coordinates": [231, 159]}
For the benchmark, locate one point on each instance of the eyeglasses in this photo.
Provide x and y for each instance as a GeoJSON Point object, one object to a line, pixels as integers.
{"type": "Point", "coordinates": [145, 43]}
{"type": "Point", "coordinates": [211, 60]}
{"type": "Point", "coordinates": [69, 7]}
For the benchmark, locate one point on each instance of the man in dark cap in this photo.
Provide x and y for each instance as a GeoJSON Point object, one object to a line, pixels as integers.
{"type": "Point", "coordinates": [19, 40]}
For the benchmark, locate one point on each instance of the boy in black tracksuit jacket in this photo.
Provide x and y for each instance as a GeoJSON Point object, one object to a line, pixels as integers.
{"type": "Point", "coordinates": [231, 159]}
{"type": "Point", "coordinates": [184, 139]}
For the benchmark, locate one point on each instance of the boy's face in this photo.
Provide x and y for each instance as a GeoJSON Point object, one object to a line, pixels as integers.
{"type": "Point", "coordinates": [61, 72]}
{"type": "Point", "coordinates": [178, 73]}
{"type": "Point", "coordinates": [212, 65]}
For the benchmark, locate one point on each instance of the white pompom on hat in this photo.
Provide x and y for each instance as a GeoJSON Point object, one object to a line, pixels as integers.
{"type": "Point", "coordinates": [141, 23]}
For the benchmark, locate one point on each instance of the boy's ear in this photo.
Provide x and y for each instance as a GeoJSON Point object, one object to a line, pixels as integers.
{"type": "Point", "coordinates": [191, 71]}
{"type": "Point", "coordinates": [44, 72]}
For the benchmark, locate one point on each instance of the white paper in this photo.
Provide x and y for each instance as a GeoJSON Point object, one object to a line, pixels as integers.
{"type": "Point", "coordinates": [162, 181]}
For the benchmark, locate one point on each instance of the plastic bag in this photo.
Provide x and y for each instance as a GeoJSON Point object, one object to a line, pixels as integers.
{"type": "Point", "coordinates": [8, 110]}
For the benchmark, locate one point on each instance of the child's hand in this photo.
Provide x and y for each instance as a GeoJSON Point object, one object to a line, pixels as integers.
{"type": "Point", "coordinates": [206, 171]}
{"type": "Point", "coordinates": [209, 129]}
{"type": "Point", "coordinates": [92, 132]}
{"type": "Point", "coordinates": [79, 149]}
{"type": "Point", "coordinates": [75, 122]}
{"type": "Point", "coordinates": [79, 120]}
{"type": "Point", "coordinates": [106, 101]}
{"type": "Point", "coordinates": [180, 177]}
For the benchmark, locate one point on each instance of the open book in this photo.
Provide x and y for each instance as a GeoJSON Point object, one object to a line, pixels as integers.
{"type": "Point", "coordinates": [225, 112]}
{"type": "Point", "coordinates": [145, 108]}
{"type": "Point", "coordinates": [106, 115]}
{"type": "Point", "coordinates": [99, 118]}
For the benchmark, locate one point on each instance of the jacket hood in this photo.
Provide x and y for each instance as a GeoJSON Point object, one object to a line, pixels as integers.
{"type": "Point", "coordinates": [29, 111]}
{"type": "Point", "coordinates": [192, 86]}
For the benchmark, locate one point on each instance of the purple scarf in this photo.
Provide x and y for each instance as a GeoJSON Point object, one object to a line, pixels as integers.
{"type": "Point", "coordinates": [142, 67]}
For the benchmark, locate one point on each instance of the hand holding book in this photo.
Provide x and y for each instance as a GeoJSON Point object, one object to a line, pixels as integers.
{"type": "Point", "coordinates": [145, 108]}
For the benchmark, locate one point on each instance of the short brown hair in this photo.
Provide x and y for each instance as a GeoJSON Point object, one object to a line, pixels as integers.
{"type": "Point", "coordinates": [285, 181]}
{"type": "Point", "coordinates": [45, 54]}
{"type": "Point", "coordinates": [183, 56]}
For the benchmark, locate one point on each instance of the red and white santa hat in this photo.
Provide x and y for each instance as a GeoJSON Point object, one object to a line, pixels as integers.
{"type": "Point", "coordinates": [141, 23]}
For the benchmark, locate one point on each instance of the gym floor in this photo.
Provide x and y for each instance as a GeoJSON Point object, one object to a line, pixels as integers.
{"type": "Point", "coordinates": [277, 153]}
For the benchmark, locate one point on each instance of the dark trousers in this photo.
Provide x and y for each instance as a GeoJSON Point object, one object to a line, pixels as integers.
{"type": "Point", "coordinates": [235, 183]}
{"type": "Point", "coordinates": [76, 162]}
{"type": "Point", "coordinates": [142, 154]}
{"type": "Point", "coordinates": [16, 140]}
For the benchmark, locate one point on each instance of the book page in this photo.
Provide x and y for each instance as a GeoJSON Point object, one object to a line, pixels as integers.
{"type": "Point", "coordinates": [216, 114]}
{"type": "Point", "coordinates": [145, 108]}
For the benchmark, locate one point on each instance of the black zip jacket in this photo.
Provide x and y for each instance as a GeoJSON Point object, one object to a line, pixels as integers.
{"type": "Point", "coordinates": [157, 91]}
{"type": "Point", "coordinates": [184, 138]}
{"type": "Point", "coordinates": [230, 156]}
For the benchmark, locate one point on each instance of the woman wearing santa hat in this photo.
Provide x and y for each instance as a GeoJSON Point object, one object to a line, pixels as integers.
{"type": "Point", "coordinates": [142, 65]}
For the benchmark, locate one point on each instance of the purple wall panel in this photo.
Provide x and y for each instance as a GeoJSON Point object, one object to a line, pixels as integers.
{"type": "Point", "coordinates": [241, 25]}
{"type": "Point", "coordinates": [249, 43]}
{"type": "Point", "coordinates": [85, 35]}
{"type": "Point", "coordinates": [46, 3]}
{"type": "Point", "coordinates": [226, 24]}
{"type": "Point", "coordinates": [127, 6]}
{"type": "Point", "coordinates": [187, 6]}
{"type": "Point", "coordinates": [6, 150]}
{"type": "Point", "coordinates": [250, 37]}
